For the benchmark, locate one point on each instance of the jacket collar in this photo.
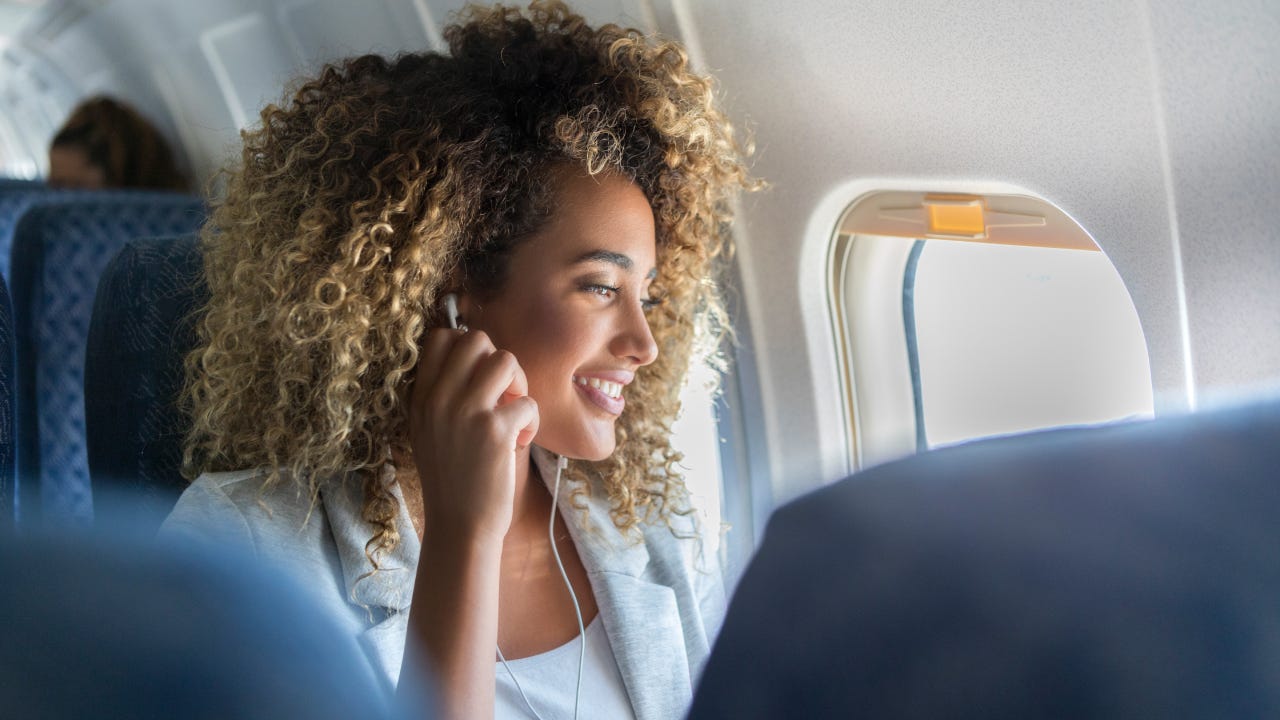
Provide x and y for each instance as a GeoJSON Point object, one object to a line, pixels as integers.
{"type": "Point", "coordinates": [601, 546]}
{"type": "Point", "coordinates": [641, 617]}
{"type": "Point", "coordinates": [391, 588]}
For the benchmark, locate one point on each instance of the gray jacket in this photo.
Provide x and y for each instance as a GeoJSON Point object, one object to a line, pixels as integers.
{"type": "Point", "coordinates": [661, 601]}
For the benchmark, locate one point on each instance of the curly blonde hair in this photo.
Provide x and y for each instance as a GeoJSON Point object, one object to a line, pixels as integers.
{"type": "Point", "coordinates": [381, 181]}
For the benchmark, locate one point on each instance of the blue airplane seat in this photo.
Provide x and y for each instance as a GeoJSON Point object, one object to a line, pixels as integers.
{"type": "Point", "coordinates": [142, 328]}
{"type": "Point", "coordinates": [60, 247]}
{"type": "Point", "coordinates": [1128, 571]}
{"type": "Point", "coordinates": [15, 196]}
{"type": "Point", "coordinates": [107, 625]}
{"type": "Point", "coordinates": [7, 387]}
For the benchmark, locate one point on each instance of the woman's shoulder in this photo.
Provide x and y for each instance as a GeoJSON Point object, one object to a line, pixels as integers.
{"type": "Point", "coordinates": [683, 552]}
{"type": "Point", "coordinates": [231, 483]}
{"type": "Point", "coordinates": [240, 508]}
{"type": "Point", "coordinates": [683, 543]}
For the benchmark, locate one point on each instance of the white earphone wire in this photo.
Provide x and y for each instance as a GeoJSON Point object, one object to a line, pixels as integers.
{"type": "Point", "coordinates": [561, 464]}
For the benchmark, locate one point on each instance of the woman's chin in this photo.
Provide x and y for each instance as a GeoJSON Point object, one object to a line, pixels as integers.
{"type": "Point", "coordinates": [588, 451]}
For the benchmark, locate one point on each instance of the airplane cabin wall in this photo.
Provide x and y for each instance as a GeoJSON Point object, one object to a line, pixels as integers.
{"type": "Point", "coordinates": [1217, 67]}
{"type": "Point", "coordinates": [1152, 124]}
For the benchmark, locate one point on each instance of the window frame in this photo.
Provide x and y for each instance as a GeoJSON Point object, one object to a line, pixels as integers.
{"type": "Point", "coordinates": [883, 422]}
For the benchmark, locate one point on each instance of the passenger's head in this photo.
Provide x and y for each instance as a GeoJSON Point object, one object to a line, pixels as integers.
{"type": "Point", "coordinates": [489, 171]}
{"type": "Point", "coordinates": [107, 144]}
{"type": "Point", "coordinates": [573, 306]}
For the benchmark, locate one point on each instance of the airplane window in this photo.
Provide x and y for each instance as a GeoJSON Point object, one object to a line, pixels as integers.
{"type": "Point", "coordinates": [697, 435]}
{"type": "Point", "coordinates": [961, 317]}
{"type": "Point", "coordinates": [1054, 345]}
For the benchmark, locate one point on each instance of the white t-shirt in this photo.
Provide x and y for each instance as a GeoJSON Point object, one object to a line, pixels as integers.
{"type": "Point", "coordinates": [550, 680]}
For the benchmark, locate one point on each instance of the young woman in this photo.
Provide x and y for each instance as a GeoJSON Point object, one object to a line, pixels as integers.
{"type": "Point", "coordinates": [501, 498]}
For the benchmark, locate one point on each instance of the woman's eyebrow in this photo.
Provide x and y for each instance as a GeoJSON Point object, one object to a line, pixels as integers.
{"type": "Point", "coordinates": [607, 256]}
{"type": "Point", "coordinates": [613, 258]}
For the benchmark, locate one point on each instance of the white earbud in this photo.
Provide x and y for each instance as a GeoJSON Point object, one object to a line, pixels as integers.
{"type": "Point", "coordinates": [451, 309]}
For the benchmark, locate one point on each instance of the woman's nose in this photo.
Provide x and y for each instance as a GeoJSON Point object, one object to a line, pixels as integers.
{"type": "Point", "coordinates": [634, 340]}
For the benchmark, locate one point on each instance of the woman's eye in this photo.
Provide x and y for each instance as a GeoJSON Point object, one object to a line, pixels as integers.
{"type": "Point", "coordinates": [604, 291]}
{"type": "Point", "coordinates": [648, 304]}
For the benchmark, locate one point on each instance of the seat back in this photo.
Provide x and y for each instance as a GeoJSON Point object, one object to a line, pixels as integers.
{"type": "Point", "coordinates": [110, 625]}
{"type": "Point", "coordinates": [1116, 572]}
{"type": "Point", "coordinates": [60, 247]}
{"type": "Point", "coordinates": [15, 196]}
{"type": "Point", "coordinates": [7, 388]}
{"type": "Point", "coordinates": [142, 328]}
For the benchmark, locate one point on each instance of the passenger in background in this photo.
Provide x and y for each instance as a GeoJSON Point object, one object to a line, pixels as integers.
{"type": "Point", "coordinates": [107, 144]}
{"type": "Point", "coordinates": [570, 188]}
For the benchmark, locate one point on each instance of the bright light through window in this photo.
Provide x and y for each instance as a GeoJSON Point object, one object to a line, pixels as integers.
{"type": "Point", "coordinates": [1015, 338]}
{"type": "Point", "coordinates": [696, 435]}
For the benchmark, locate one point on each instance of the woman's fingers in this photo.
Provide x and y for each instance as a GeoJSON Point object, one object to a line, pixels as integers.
{"type": "Point", "coordinates": [520, 417]}
{"type": "Point", "coordinates": [457, 371]}
{"type": "Point", "coordinates": [497, 379]}
{"type": "Point", "coordinates": [435, 348]}
{"type": "Point", "coordinates": [457, 367]}
{"type": "Point", "coordinates": [500, 381]}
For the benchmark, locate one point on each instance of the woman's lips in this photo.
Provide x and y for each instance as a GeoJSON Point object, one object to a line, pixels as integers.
{"type": "Point", "coordinates": [611, 405]}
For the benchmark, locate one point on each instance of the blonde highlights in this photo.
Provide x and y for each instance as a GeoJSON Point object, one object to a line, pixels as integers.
{"type": "Point", "coordinates": [378, 181]}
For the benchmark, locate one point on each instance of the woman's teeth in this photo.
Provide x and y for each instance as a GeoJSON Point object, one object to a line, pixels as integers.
{"type": "Point", "coordinates": [612, 389]}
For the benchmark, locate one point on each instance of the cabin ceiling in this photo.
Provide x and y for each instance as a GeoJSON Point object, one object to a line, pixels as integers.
{"type": "Point", "coordinates": [13, 13]}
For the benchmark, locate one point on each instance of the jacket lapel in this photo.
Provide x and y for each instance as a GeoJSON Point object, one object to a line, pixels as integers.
{"type": "Point", "coordinates": [641, 617]}
{"type": "Point", "coordinates": [382, 598]}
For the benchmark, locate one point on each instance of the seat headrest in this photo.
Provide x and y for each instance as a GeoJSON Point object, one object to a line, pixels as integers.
{"type": "Point", "coordinates": [143, 327]}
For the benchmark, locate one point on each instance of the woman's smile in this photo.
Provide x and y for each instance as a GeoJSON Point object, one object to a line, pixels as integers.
{"type": "Point", "coordinates": [604, 390]}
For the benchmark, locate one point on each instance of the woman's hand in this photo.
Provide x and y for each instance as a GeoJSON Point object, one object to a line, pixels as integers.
{"type": "Point", "coordinates": [469, 417]}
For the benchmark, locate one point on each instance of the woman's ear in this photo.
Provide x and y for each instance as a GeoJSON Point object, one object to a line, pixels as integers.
{"type": "Point", "coordinates": [470, 310]}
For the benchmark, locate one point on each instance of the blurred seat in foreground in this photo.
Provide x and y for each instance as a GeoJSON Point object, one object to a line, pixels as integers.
{"type": "Point", "coordinates": [99, 625]}
{"type": "Point", "coordinates": [1131, 571]}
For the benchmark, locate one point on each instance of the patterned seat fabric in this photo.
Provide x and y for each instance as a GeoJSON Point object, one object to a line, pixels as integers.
{"type": "Point", "coordinates": [143, 326]}
{"type": "Point", "coordinates": [60, 247]}
{"type": "Point", "coordinates": [15, 196]}
{"type": "Point", "coordinates": [7, 486]}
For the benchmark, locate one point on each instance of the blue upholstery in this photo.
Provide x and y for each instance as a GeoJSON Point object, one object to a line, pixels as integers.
{"type": "Point", "coordinates": [60, 247]}
{"type": "Point", "coordinates": [1131, 571]}
{"type": "Point", "coordinates": [109, 626]}
{"type": "Point", "coordinates": [15, 196]}
{"type": "Point", "coordinates": [7, 389]}
{"type": "Point", "coordinates": [18, 185]}
{"type": "Point", "coordinates": [142, 328]}
{"type": "Point", "coordinates": [18, 195]}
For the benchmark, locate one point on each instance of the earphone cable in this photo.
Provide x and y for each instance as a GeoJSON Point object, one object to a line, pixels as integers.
{"type": "Point", "coordinates": [561, 464]}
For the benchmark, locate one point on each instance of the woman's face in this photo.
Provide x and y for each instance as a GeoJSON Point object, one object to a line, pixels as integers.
{"type": "Point", "coordinates": [71, 169]}
{"type": "Point", "coordinates": [572, 311]}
